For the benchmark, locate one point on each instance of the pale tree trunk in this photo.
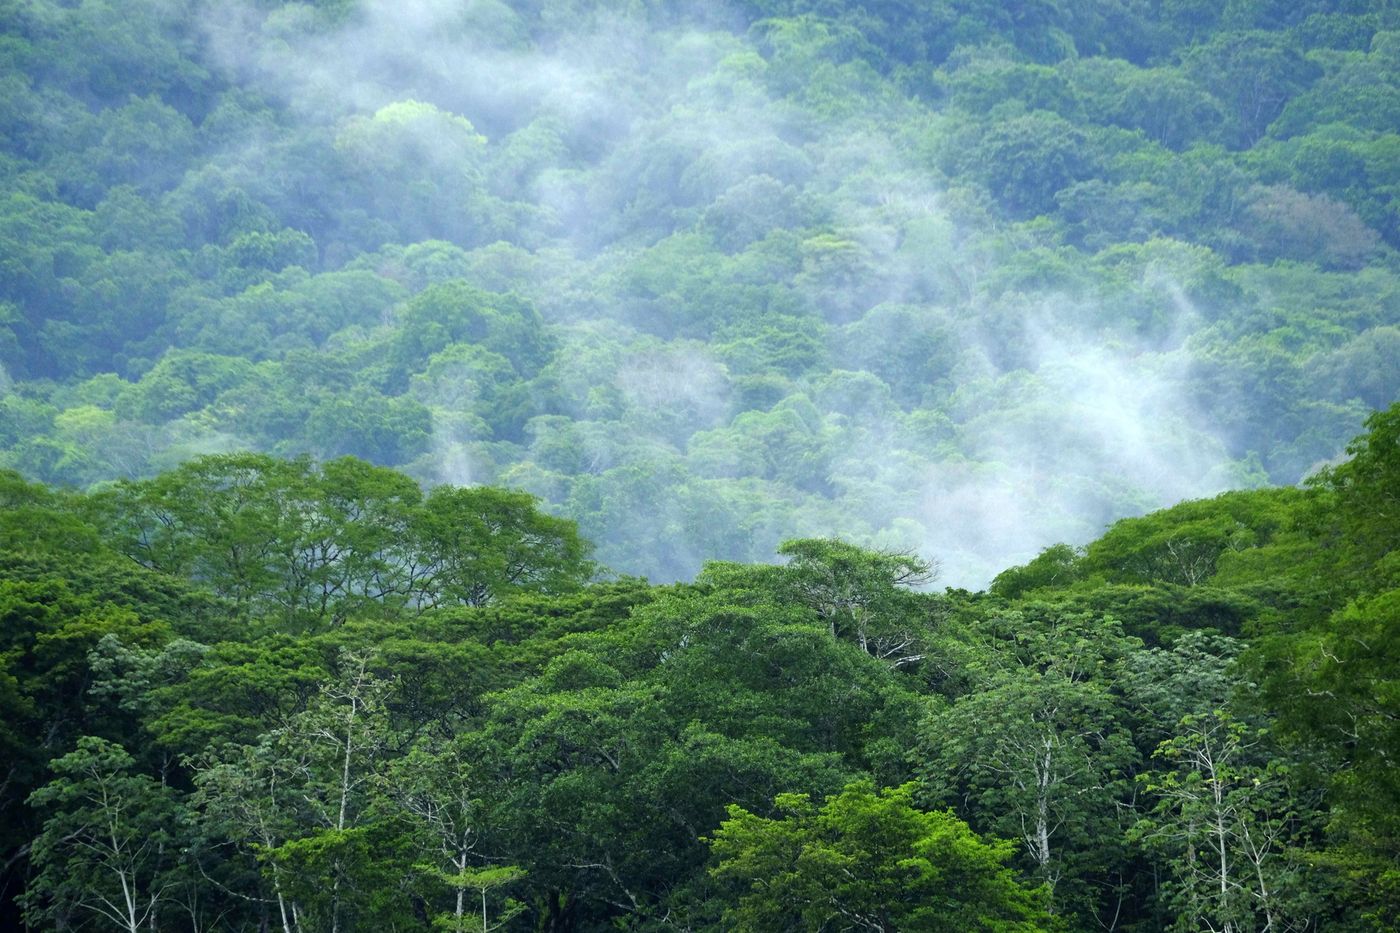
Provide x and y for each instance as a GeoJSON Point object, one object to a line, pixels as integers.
{"type": "Point", "coordinates": [1221, 835]}
{"type": "Point", "coordinates": [344, 807]}
{"type": "Point", "coordinates": [1256, 855]}
{"type": "Point", "coordinates": [133, 923]}
{"type": "Point", "coordinates": [1043, 780]}
{"type": "Point", "coordinates": [461, 863]}
{"type": "Point", "coordinates": [281, 900]}
{"type": "Point", "coordinates": [153, 918]}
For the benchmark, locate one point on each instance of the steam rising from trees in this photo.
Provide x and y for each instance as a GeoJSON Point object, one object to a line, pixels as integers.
{"type": "Point", "coordinates": [784, 293]}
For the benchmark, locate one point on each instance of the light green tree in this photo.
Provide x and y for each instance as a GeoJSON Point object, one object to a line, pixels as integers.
{"type": "Point", "coordinates": [1227, 822]}
{"type": "Point", "coordinates": [443, 788]}
{"type": "Point", "coordinates": [866, 860]}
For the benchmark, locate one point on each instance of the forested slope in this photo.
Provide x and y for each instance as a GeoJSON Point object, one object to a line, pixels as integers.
{"type": "Point", "coordinates": [254, 694]}
{"type": "Point", "coordinates": [960, 276]}
{"type": "Point", "coordinates": [403, 406]}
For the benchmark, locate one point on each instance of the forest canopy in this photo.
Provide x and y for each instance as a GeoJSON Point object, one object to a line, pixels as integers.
{"type": "Point", "coordinates": [951, 277]}
{"type": "Point", "coordinates": [300, 706]}
{"type": "Point", "coordinates": [756, 465]}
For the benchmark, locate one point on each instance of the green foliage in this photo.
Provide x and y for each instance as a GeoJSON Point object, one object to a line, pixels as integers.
{"type": "Point", "coordinates": [1365, 491]}
{"type": "Point", "coordinates": [313, 300]}
{"type": "Point", "coordinates": [1327, 675]}
{"type": "Point", "coordinates": [409, 705]}
{"type": "Point", "coordinates": [313, 545]}
{"type": "Point", "coordinates": [110, 845]}
{"type": "Point", "coordinates": [1185, 544]}
{"type": "Point", "coordinates": [774, 254]}
{"type": "Point", "coordinates": [862, 596]}
{"type": "Point", "coordinates": [865, 860]}
{"type": "Point", "coordinates": [1229, 823]}
{"type": "Point", "coordinates": [1025, 160]}
{"type": "Point", "coordinates": [1254, 74]}
{"type": "Point", "coordinates": [1057, 566]}
{"type": "Point", "coordinates": [454, 312]}
{"type": "Point", "coordinates": [1038, 749]}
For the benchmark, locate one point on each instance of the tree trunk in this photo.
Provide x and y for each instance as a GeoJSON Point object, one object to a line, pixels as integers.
{"type": "Point", "coordinates": [561, 915]}
{"type": "Point", "coordinates": [461, 863]}
{"type": "Point", "coordinates": [1218, 789]}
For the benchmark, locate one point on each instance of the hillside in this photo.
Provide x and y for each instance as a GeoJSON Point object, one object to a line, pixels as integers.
{"type": "Point", "coordinates": [254, 694]}
{"type": "Point", "coordinates": [953, 276]}
{"type": "Point", "coordinates": [754, 465]}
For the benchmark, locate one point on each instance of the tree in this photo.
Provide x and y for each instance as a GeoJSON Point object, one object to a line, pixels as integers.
{"type": "Point", "coordinates": [1023, 161]}
{"type": "Point", "coordinates": [1289, 224]}
{"type": "Point", "coordinates": [350, 548]}
{"type": "Point", "coordinates": [1367, 493]}
{"type": "Point", "coordinates": [308, 546]}
{"type": "Point", "coordinates": [1186, 543]}
{"type": "Point", "coordinates": [453, 312]}
{"type": "Point", "coordinates": [1056, 566]}
{"type": "Point", "coordinates": [363, 423]}
{"type": "Point", "coordinates": [182, 382]}
{"type": "Point", "coordinates": [218, 520]}
{"type": "Point", "coordinates": [861, 595]}
{"type": "Point", "coordinates": [865, 860]}
{"type": "Point", "coordinates": [111, 842]}
{"type": "Point", "coordinates": [482, 881]}
{"type": "Point", "coordinates": [243, 799]}
{"type": "Point", "coordinates": [1255, 74]}
{"type": "Point", "coordinates": [1038, 757]}
{"type": "Point", "coordinates": [1331, 681]}
{"type": "Point", "coordinates": [1333, 687]}
{"type": "Point", "coordinates": [1166, 105]}
{"type": "Point", "coordinates": [418, 167]}
{"type": "Point", "coordinates": [479, 545]}
{"type": "Point", "coordinates": [1036, 748]}
{"type": "Point", "coordinates": [329, 753]}
{"type": "Point", "coordinates": [299, 800]}
{"type": "Point", "coordinates": [1227, 822]}
{"type": "Point", "coordinates": [36, 520]}
{"type": "Point", "coordinates": [444, 790]}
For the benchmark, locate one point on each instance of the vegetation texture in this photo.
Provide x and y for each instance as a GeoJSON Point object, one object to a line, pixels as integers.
{"type": "Point", "coordinates": [303, 706]}
{"type": "Point", "coordinates": [484, 465]}
{"type": "Point", "coordinates": [962, 277]}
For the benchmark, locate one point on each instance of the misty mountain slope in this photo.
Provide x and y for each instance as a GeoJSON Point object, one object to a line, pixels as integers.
{"type": "Point", "coordinates": [707, 277]}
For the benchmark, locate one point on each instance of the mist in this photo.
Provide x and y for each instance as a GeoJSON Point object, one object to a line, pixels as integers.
{"type": "Point", "coordinates": [737, 284]}
{"type": "Point", "coordinates": [1102, 428]}
{"type": "Point", "coordinates": [298, 297]}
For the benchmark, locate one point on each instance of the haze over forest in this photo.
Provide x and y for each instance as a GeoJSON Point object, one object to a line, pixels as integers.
{"type": "Point", "coordinates": [775, 466]}
{"type": "Point", "coordinates": [961, 279]}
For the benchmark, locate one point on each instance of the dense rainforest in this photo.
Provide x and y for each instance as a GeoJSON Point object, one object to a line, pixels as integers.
{"type": "Point", "coordinates": [261, 694]}
{"type": "Point", "coordinates": [761, 465]}
{"type": "Point", "coordinates": [957, 276]}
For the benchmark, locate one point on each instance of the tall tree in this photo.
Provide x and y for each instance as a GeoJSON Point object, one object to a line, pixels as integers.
{"type": "Point", "coordinates": [1038, 750]}
{"type": "Point", "coordinates": [1228, 824]}
{"type": "Point", "coordinates": [111, 843]}
{"type": "Point", "coordinates": [862, 595]}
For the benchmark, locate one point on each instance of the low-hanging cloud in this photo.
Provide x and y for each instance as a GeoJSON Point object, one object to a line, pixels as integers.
{"type": "Point", "coordinates": [1049, 439]}
{"type": "Point", "coordinates": [1100, 432]}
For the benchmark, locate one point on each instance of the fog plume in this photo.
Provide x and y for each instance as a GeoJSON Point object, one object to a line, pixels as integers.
{"type": "Point", "coordinates": [1017, 420]}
